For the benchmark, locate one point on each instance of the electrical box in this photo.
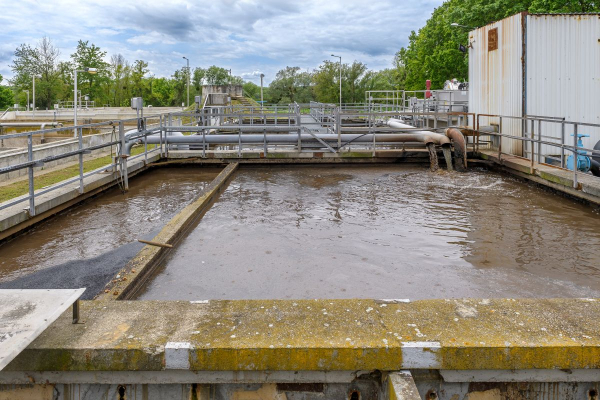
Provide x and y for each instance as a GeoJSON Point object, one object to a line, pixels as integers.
{"type": "Point", "coordinates": [198, 99]}
{"type": "Point", "coordinates": [137, 103]}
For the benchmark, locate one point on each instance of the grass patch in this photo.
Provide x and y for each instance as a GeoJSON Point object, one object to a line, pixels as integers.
{"type": "Point", "coordinates": [20, 188]}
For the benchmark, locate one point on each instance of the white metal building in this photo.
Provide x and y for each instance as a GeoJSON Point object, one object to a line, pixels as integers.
{"type": "Point", "coordinates": [537, 65]}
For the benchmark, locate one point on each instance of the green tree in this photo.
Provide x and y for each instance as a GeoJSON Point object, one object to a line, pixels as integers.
{"type": "Point", "coordinates": [40, 62]}
{"type": "Point", "coordinates": [198, 79]}
{"type": "Point", "coordinates": [432, 52]}
{"type": "Point", "coordinates": [91, 56]}
{"type": "Point", "coordinates": [6, 96]}
{"type": "Point", "coordinates": [217, 76]}
{"type": "Point", "coordinates": [290, 85]}
{"type": "Point", "coordinates": [326, 82]}
{"type": "Point", "coordinates": [119, 72]}
{"type": "Point", "coordinates": [252, 90]}
{"type": "Point", "coordinates": [138, 72]}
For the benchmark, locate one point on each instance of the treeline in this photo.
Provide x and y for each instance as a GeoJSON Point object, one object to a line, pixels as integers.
{"type": "Point", "coordinates": [433, 52]}
{"type": "Point", "coordinates": [114, 84]}
{"type": "Point", "coordinates": [118, 80]}
{"type": "Point", "coordinates": [291, 84]}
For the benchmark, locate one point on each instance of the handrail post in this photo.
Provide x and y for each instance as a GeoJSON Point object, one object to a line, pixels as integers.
{"type": "Point", "coordinates": [160, 135]}
{"type": "Point", "coordinates": [540, 141]}
{"type": "Point", "coordinates": [145, 141]}
{"type": "Point", "coordinates": [338, 127]}
{"type": "Point", "coordinates": [240, 136]}
{"type": "Point", "coordinates": [123, 156]}
{"type": "Point", "coordinates": [575, 184]}
{"type": "Point", "coordinates": [476, 132]}
{"type": "Point", "coordinates": [562, 144]}
{"type": "Point", "coordinates": [299, 124]}
{"type": "Point", "coordinates": [532, 146]}
{"type": "Point", "coordinates": [80, 143]}
{"type": "Point", "coordinates": [500, 142]}
{"type": "Point", "coordinates": [30, 177]}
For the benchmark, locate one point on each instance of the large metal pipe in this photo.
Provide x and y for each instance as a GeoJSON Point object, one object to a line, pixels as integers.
{"type": "Point", "coordinates": [414, 137]}
{"type": "Point", "coordinates": [460, 146]}
{"type": "Point", "coordinates": [431, 136]}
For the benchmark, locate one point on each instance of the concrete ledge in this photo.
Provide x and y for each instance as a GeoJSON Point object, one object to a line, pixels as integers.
{"type": "Point", "coordinates": [137, 271]}
{"type": "Point", "coordinates": [16, 218]}
{"type": "Point", "coordinates": [553, 177]}
{"type": "Point", "coordinates": [321, 335]}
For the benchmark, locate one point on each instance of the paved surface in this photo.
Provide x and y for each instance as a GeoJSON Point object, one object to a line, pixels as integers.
{"type": "Point", "coordinates": [307, 335]}
{"type": "Point", "coordinates": [24, 314]}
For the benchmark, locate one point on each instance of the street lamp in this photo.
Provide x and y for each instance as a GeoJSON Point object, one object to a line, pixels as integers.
{"type": "Point", "coordinates": [188, 80]}
{"type": "Point", "coordinates": [455, 25]}
{"type": "Point", "coordinates": [27, 91]}
{"type": "Point", "coordinates": [340, 57]}
{"type": "Point", "coordinates": [89, 71]}
{"type": "Point", "coordinates": [262, 102]}
{"type": "Point", "coordinates": [33, 80]}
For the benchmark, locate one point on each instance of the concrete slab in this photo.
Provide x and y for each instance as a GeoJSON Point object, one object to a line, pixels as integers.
{"type": "Point", "coordinates": [321, 335]}
{"type": "Point", "coordinates": [24, 314]}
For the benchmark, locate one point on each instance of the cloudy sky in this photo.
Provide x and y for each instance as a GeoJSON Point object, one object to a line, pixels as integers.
{"type": "Point", "coordinates": [248, 36]}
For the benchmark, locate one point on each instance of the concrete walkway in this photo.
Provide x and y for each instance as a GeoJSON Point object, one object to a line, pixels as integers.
{"type": "Point", "coordinates": [588, 185]}
{"type": "Point", "coordinates": [320, 335]}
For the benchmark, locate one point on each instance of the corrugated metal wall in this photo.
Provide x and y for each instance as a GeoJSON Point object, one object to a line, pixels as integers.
{"type": "Point", "coordinates": [563, 73]}
{"type": "Point", "coordinates": [496, 77]}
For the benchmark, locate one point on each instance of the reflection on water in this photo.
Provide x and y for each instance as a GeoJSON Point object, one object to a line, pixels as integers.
{"type": "Point", "coordinates": [101, 225]}
{"type": "Point", "coordinates": [384, 232]}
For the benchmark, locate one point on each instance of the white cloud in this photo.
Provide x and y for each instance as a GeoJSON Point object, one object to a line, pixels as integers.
{"type": "Point", "coordinates": [245, 35]}
{"type": "Point", "coordinates": [151, 38]}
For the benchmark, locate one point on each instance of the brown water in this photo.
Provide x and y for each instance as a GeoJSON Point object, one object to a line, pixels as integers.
{"type": "Point", "coordinates": [384, 232]}
{"type": "Point", "coordinates": [88, 244]}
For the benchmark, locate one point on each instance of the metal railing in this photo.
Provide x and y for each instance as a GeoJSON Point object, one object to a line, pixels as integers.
{"type": "Point", "coordinates": [532, 142]}
{"type": "Point", "coordinates": [306, 126]}
{"type": "Point", "coordinates": [117, 166]}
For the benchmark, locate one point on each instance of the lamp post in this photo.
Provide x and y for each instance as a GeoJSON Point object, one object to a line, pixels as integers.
{"type": "Point", "coordinates": [27, 91]}
{"type": "Point", "coordinates": [89, 71]}
{"type": "Point", "coordinates": [340, 57]}
{"type": "Point", "coordinates": [33, 80]}
{"type": "Point", "coordinates": [188, 80]}
{"type": "Point", "coordinates": [262, 102]}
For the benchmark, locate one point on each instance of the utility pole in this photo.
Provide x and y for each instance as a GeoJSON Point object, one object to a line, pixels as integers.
{"type": "Point", "coordinates": [188, 80]}
{"type": "Point", "coordinates": [89, 71]}
{"type": "Point", "coordinates": [340, 57]}
{"type": "Point", "coordinates": [33, 79]}
{"type": "Point", "coordinates": [262, 101]}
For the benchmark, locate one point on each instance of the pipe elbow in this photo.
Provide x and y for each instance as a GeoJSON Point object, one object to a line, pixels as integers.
{"type": "Point", "coordinates": [459, 143]}
{"type": "Point", "coordinates": [436, 138]}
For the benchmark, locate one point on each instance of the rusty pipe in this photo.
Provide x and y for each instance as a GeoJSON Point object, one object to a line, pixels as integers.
{"type": "Point", "coordinates": [458, 141]}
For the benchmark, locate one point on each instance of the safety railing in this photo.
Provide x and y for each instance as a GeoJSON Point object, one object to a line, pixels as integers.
{"type": "Point", "coordinates": [528, 140]}
{"type": "Point", "coordinates": [118, 164]}
{"type": "Point", "coordinates": [313, 125]}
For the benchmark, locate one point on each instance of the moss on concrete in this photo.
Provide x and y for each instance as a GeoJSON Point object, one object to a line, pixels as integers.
{"type": "Point", "coordinates": [322, 335]}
